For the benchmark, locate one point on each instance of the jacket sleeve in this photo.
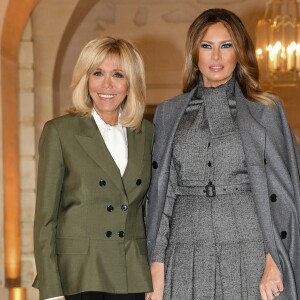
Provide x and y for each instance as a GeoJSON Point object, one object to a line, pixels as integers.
{"type": "Point", "coordinates": [162, 238]}
{"type": "Point", "coordinates": [49, 186]}
{"type": "Point", "coordinates": [293, 157]}
{"type": "Point", "coordinates": [293, 162]}
{"type": "Point", "coordinates": [153, 205]}
{"type": "Point", "coordinates": [287, 179]}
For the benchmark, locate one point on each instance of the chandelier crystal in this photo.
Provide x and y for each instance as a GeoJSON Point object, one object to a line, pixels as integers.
{"type": "Point", "coordinates": [278, 43]}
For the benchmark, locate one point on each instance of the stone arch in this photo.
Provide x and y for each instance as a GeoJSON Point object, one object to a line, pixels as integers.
{"type": "Point", "coordinates": [15, 19]}
{"type": "Point", "coordinates": [82, 8]}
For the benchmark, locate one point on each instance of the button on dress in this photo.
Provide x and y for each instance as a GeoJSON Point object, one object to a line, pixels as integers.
{"type": "Point", "coordinates": [209, 237]}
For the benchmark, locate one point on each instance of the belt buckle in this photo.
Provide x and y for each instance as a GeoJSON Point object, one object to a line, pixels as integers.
{"type": "Point", "coordinates": [210, 190]}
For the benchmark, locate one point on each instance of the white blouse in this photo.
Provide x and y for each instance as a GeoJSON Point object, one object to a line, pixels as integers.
{"type": "Point", "coordinates": [115, 138]}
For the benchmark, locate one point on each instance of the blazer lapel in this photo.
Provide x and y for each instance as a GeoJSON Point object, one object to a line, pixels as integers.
{"type": "Point", "coordinates": [174, 109]}
{"type": "Point", "coordinates": [253, 135]}
{"type": "Point", "coordinates": [136, 142]}
{"type": "Point", "coordinates": [92, 142]}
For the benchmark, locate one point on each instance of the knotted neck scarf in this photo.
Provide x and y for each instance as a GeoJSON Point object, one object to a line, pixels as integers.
{"type": "Point", "coordinates": [208, 115]}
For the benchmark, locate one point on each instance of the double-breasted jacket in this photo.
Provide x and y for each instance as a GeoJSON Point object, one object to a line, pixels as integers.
{"type": "Point", "coordinates": [89, 232]}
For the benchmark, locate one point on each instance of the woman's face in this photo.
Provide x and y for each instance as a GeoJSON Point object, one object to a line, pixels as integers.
{"type": "Point", "coordinates": [108, 88]}
{"type": "Point", "coordinates": [217, 58]}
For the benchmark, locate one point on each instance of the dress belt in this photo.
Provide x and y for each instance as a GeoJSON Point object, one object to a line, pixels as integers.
{"type": "Point", "coordinates": [210, 190]}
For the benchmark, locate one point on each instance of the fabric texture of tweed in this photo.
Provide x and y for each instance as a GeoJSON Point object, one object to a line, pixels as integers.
{"type": "Point", "coordinates": [211, 245]}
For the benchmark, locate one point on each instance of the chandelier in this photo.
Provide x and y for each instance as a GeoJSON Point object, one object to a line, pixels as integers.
{"type": "Point", "coordinates": [278, 43]}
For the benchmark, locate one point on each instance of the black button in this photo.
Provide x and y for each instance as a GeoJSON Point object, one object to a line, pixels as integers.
{"type": "Point", "coordinates": [209, 163]}
{"type": "Point", "coordinates": [102, 182]}
{"type": "Point", "coordinates": [108, 234]}
{"type": "Point", "coordinates": [155, 165]}
{"type": "Point", "coordinates": [139, 182]}
{"type": "Point", "coordinates": [110, 208]}
{"type": "Point", "coordinates": [121, 234]}
{"type": "Point", "coordinates": [273, 198]}
{"type": "Point", "coordinates": [124, 207]}
{"type": "Point", "coordinates": [283, 234]}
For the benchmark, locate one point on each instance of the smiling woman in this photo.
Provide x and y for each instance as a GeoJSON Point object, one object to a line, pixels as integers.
{"type": "Point", "coordinates": [107, 58]}
{"type": "Point", "coordinates": [108, 89]}
{"type": "Point", "coordinates": [94, 172]}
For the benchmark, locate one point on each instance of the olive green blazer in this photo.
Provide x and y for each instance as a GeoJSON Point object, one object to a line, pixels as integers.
{"type": "Point", "coordinates": [89, 232]}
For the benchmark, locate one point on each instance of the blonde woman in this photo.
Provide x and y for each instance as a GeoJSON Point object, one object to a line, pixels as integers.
{"type": "Point", "coordinates": [94, 172]}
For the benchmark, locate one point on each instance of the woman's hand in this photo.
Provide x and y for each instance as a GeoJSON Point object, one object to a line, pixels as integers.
{"type": "Point", "coordinates": [271, 282]}
{"type": "Point", "coordinates": [157, 273]}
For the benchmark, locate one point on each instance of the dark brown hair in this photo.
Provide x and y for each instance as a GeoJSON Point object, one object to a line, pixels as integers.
{"type": "Point", "coordinates": [247, 67]}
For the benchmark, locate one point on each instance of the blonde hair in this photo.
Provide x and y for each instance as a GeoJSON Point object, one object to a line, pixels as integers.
{"type": "Point", "coordinates": [91, 56]}
{"type": "Point", "coordinates": [246, 68]}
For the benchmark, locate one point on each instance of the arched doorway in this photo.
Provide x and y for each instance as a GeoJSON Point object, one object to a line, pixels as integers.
{"type": "Point", "coordinates": [17, 14]}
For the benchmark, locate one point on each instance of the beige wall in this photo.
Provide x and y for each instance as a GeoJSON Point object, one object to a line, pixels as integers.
{"type": "Point", "coordinates": [48, 49]}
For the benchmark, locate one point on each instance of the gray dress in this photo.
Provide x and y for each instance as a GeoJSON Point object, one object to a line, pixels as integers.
{"type": "Point", "coordinates": [209, 237]}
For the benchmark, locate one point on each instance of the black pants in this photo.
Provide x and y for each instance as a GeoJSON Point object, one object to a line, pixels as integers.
{"type": "Point", "coordinates": [105, 296]}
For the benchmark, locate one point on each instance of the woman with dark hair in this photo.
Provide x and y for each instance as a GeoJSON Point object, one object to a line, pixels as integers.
{"type": "Point", "coordinates": [224, 200]}
{"type": "Point", "coordinates": [93, 175]}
